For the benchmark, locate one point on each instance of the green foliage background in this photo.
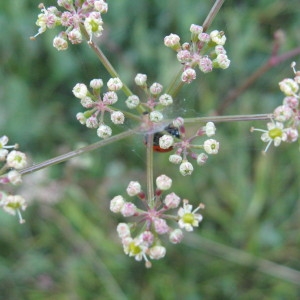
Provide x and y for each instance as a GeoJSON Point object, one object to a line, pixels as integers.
{"type": "Point", "coordinates": [68, 248]}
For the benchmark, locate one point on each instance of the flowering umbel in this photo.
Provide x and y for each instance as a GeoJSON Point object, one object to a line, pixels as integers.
{"type": "Point", "coordinates": [142, 239]}
{"type": "Point", "coordinates": [284, 125]}
{"type": "Point", "coordinates": [12, 160]}
{"type": "Point", "coordinates": [77, 18]}
{"type": "Point", "coordinates": [186, 148]}
{"type": "Point", "coordinates": [97, 105]}
{"type": "Point", "coordinates": [205, 51]}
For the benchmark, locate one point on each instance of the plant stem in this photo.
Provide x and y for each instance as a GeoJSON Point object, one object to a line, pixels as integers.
{"type": "Point", "coordinates": [212, 14]}
{"type": "Point", "coordinates": [125, 134]}
{"type": "Point", "coordinates": [103, 59]}
{"type": "Point", "coordinates": [149, 163]}
{"type": "Point", "coordinates": [77, 152]}
{"type": "Point", "coordinates": [233, 118]}
{"type": "Point", "coordinates": [273, 61]}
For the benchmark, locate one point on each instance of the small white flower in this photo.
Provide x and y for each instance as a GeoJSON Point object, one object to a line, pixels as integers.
{"type": "Point", "coordinates": [16, 159]}
{"type": "Point", "coordinates": [275, 134]}
{"type": "Point", "coordinates": [156, 88]}
{"type": "Point", "coordinates": [132, 101]}
{"type": "Point", "coordinates": [114, 84]}
{"type": "Point", "coordinates": [135, 247]}
{"type": "Point", "coordinates": [60, 43]}
{"type": "Point", "coordinates": [93, 24]}
{"type": "Point", "coordinates": [156, 116]}
{"type": "Point", "coordinates": [87, 102]}
{"type": "Point", "coordinates": [104, 131]}
{"type": "Point", "coordinates": [75, 36]}
{"type": "Point", "coordinates": [163, 182]}
{"type": "Point", "coordinates": [96, 83]}
{"type": "Point", "coordinates": [101, 6]}
{"type": "Point", "coordinates": [13, 205]}
{"type": "Point", "coordinates": [289, 86]}
{"type": "Point", "coordinates": [210, 129]}
{"type": "Point", "coordinates": [196, 29]}
{"type": "Point", "coordinates": [14, 177]}
{"type": "Point", "coordinates": [117, 117]}
{"type": "Point", "coordinates": [134, 188]}
{"type": "Point", "coordinates": [110, 98]}
{"type": "Point", "coordinates": [175, 159]}
{"type": "Point", "coordinates": [283, 113]}
{"type": "Point", "coordinates": [123, 230]}
{"type": "Point", "coordinates": [81, 118]}
{"type": "Point", "coordinates": [80, 90]}
{"type": "Point", "coordinates": [166, 141]}
{"type": "Point", "coordinates": [211, 146]}
{"type": "Point", "coordinates": [186, 168]}
{"type": "Point", "coordinates": [165, 99]}
{"type": "Point", "coordinates": [157, 252]}
{"type": "Point", "coordinates": [116, 204]}
{"type": "Point", "coordinates": [188, 218]}
{"type": "Point", "coordinates": [140, 79]}
{"type": "Point", "coordinates": [218, 37]}
{"type": "Point", "coordinates": [172, 41]}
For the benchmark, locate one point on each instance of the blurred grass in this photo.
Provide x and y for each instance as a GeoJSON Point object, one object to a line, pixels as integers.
{"type": "Point", "coordinates": [68, 249]}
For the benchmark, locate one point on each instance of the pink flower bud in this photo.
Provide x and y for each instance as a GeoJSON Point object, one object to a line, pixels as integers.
{"type": "Point", "coordinates": [128, 209]}
{"type": "Point", "coordinates": [171, 201]}
{"type": "Point", "coordinates": [188, 75]}
{"type": "Point", "coordinates": [110, 98]}
{"type": "Point", "coordinates": [156, 88]}
{"type": "Point", "coordinates": [160, 226]}
{"type": "Point", "coordinates": [114, 84]}
{"type": "Point", "coordinates": [123, 230]}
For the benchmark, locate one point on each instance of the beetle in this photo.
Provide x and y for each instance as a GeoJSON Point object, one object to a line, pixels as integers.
{"type": "Point", "coordinates": [171, 129]}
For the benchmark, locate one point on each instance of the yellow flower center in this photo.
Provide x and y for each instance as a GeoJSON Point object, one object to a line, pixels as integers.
{"type": "Point", "coordinates": [188, 218]}
{"type": "Point", "coordinates": [274, 133]}
{"type": "Point", "coordinates": [134, 249]}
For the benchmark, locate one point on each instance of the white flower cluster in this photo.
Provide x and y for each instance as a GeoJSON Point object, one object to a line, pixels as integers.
{"type": "Point", "coordinates": [12, 160]}
{"type": "Point", "coordinates": [205, 51]}
{"type": "Point", "coordinates": [98, 105]}
{"type": "Point", "coordinates": [154, 221]}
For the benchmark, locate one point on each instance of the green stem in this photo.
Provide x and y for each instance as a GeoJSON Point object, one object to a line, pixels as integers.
{"type": "Point", "coordinates": [212, 14]}
{"type": "Point", "coordinates": [108, 66]}
{"type": "Point", "coordinates": [77, 152]}
{"type": "Point", "coordinates": [125, 134]}
{"type": "Point", "coordinates": [233, 118]}
{"type": "Point", "coordinates": [149, 163]}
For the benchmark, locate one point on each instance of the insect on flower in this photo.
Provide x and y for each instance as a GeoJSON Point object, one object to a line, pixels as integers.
{"type": "Point", "coordinates": [170, 129]}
